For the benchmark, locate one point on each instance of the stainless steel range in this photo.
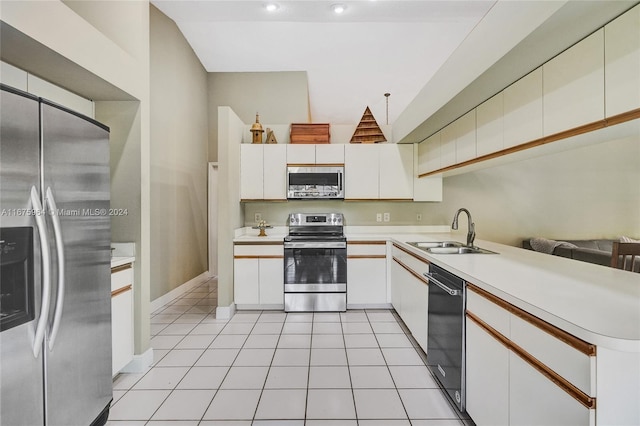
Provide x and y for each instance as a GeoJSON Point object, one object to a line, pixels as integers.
{"type": "Point", "coordinates": [315, 263]}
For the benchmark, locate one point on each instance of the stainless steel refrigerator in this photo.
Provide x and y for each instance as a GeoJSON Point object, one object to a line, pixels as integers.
{"type": "Point", "coordinates": [55, 302]}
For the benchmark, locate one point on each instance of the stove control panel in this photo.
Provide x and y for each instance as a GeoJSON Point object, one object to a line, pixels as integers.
{"type": "Point", "coordinates": [316, 219]}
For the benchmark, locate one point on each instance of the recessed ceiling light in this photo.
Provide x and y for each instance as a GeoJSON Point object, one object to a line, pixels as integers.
{"type": "Point", "coordinates": [272, 7]}
{"type": "Point", "coordinates": [338, 8]}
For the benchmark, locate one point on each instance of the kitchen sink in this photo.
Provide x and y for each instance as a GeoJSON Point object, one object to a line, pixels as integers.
{"type": "Point", "coordinates": [449, 247]}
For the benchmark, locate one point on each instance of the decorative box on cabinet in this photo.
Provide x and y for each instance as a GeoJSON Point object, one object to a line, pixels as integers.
{"type": "Point", "coordinates": [121, 317]}
{"type": "Point", "coordinates": [310, 133]}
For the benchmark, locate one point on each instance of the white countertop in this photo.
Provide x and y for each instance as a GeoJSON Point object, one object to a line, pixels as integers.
{"type": "Point", "coordinates": [598, 304]}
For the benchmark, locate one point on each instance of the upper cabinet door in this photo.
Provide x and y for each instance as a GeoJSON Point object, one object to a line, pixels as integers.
{"type": "Point", "coordinates": [523, 110]}
{"type": "Point", "coordinates": [301, 154]}
{"type": "Point", "coordinates": [429, 154]}
{"type": "Point", "coordinates": [251, 172]}
{"type": "Point", "coordinates": [466, 137]}
{"type": "Point", "coordinates": [448, 145]}
{"type": "Point", "coordinates": [275, 172]}
{"type": "Point", "coordinates": [361, 171]}
{"type": "Point", "coordinates": [330, 154]}
{"type": "Point", "coordinates": [396, 171]}
{"type": "Point", "coordinates": [622, 63]}
{"type": "Point", "coordinates": [574, 86]}
{"type": "Point", "coordinates": [490, 131]}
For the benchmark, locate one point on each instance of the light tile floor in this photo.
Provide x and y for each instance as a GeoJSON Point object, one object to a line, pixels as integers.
{"type": "Point", "coordinates": [356, 368]}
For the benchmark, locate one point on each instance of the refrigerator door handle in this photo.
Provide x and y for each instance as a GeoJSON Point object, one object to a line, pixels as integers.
{"type": "Point", "coordinates": [57, 232]}
{"type": "Point", "coordinates": [46, 270]}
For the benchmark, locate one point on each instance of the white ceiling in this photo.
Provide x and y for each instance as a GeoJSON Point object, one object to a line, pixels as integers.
{"type": "Point", "coordinates": [351, 59]}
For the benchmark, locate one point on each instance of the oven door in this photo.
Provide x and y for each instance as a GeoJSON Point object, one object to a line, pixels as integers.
{"type": "Point", "coordinates": [317, 267]}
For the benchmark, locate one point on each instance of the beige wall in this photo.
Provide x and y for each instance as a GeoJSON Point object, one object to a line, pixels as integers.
{"type": "Point", "coordinates": [179, 144]}
{"type": "Point", "coordinates": [279, 97]}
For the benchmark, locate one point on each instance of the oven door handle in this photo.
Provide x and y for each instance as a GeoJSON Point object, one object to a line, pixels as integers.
{"type": "Point", "coordinates": [315, 245]}
{"type": "Point", "coordinates": [451, 291]}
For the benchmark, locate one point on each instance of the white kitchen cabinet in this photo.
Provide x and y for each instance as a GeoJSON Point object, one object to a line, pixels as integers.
{"type": "Point", "coordinates": [310, 154]}
{"type": "Point", "coordinates": [271, 279]}
{"type": "Point", "coordinates": [542, 374]}
{"type": "Point", "coordinates": [263, 172]}
{"type": "Point", "coordinates": [465, 128]}
{"type": "Point", "coordinates": [574, 86]}
{"type": "Point", "coordinates": [535, 400]}
{"type": "Point", "coordinates": [258, 276]}
{"type": "Point", "coordinates": [490, 130]}
{"type": "Point", "coordinates": [121, 317]}
{"type": "Point", "coordinates": [251, 172]}
{"type": "Point", "coordinates": [428, 188]}
{"type": "Point", "coordinates": [487, 378]}
{"type": "Point", "coordinates": [523, 110]}
{"type": "Point", "coordinates": [274, 172]}
{"type": "Point", "coordinates": [361, 171]}
{"type": "Point", "coordinates": [366, 275]}
{"type": "Point", "coordinates": [448, 145]}
{"type": "Point", "coordinates": [429, 154]}
{"type": "Point", "coordinates": [410, 293]}
{"type": "Point", "coordinates": [301, 153]}
{"type": "Point", "coordinates": [622, 63]}
{"type": "Point", "coordinates": [395, 171]}
{"type": "Point", "coordinates": [246, 281]}
{"type": "Point", "coordinates": [330, 153]}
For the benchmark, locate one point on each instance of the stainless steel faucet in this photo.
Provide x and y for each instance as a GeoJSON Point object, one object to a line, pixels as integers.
{"type": "Point", "coordinates": [471, 235]}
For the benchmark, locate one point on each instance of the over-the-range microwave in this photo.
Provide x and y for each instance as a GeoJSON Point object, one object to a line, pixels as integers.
{"type": "Point", "coordinates": [315, 182]}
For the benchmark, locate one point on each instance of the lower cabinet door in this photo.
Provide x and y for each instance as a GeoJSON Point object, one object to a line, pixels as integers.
{"type": "Point", "coordinates": [366, 281]}
{"type": "Point", "coordinates": [121, 330]}
{"type": "Point", "coordinates": [487, 376]}
{"type": "Point", "coordinates": [271, 281]}
{"type": "Point", "coordinates": [246, 281]}
{"type": "Point", "coordinates": [536, 400]}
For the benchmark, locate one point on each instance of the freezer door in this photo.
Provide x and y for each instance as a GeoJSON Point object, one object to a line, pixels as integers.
{"type": "Point", "coordinates": [21, 374]}
{"type": "Point", "coordinates": [76, 175]}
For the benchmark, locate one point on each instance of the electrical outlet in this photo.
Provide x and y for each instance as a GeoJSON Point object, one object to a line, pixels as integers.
{"type": "Point", "coordinates": [419, 217]}
{"type": "Point", "coordinates": [387, 217]}
{"type": "Point", "coordinates": [257, 217]}
{"type": "Point", "coordinates": [378, 217]}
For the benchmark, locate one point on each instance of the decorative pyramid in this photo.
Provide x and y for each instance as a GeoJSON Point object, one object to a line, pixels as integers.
{"type": "Point", "coordinates": [368, 130]}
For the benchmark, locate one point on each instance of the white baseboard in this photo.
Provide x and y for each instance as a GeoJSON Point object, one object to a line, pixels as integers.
{"type": "Point", "coordinates": [139, 363]}
{"type": "Point", "coordinates": [226, 312]}
{"type": "Point", "coordinates": [178, 291]}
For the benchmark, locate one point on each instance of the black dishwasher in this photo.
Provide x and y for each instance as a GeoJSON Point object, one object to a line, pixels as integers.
{"type": "Point", "coordinates": [445, 339]}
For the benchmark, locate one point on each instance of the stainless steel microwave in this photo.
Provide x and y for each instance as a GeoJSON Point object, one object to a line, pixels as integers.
{"type": "Point", "coordinates": [315, 182]}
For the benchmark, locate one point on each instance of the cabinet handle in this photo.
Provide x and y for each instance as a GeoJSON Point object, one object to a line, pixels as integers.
{"type": "Point", "coordinates": [121, 290]}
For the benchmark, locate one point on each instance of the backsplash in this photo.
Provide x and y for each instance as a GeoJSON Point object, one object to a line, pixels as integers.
{"type": "Point", "coordinates": [355, 212]}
